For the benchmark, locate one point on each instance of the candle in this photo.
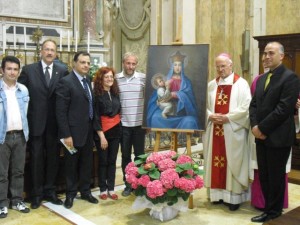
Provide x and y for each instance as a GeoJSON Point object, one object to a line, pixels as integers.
{"type": "Point", "coordinates": [88, 42]}
{"type": "Point", "coordinates": [60, 41]}
{"type": "Point", "coordinates": [15, 38]}
{"type": "Point", "coordinates": [25, 44]}
{"type": "Point", "coordinates": [68, 41]}
{"type": "Point", "coordinates": [76, 40]}
{"type": "Point", "coordinates": [4, 38]}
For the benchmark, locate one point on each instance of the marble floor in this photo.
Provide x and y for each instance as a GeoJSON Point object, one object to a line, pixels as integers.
{"type": "Point", "coordinates": [120, 212]}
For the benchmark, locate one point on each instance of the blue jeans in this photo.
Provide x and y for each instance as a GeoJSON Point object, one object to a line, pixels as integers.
{"type": "Point", "coordinates": [131, 137]}
{"type": "Point", "coordinates": [12, 158]}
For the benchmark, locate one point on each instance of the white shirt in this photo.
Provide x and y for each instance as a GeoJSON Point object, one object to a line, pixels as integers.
{"type": "Point", "coordinates": [14, 121]}
{"type": "Point", "coordinates": [132, 98]}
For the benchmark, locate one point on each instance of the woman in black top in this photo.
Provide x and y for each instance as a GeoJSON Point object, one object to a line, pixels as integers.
{"type": "Point", "coordinates": [107, 105]}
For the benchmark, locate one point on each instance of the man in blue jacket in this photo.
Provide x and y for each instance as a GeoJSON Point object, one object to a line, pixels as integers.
{"type": "Point", "coordinates": [14, 100]}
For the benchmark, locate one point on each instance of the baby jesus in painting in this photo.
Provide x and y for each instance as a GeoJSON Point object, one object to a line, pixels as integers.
{"type": "Point", "coordinates": [163, 95]}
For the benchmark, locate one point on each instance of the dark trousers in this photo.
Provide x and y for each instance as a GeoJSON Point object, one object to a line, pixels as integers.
{"type": "Point", "coordinates": [44, 163]}
{"type": "Point", "coordinates": [107, 164]}
{"type": "Point", "coordinates": [131, 137]}
{"type": "Point", "coordinates": [12, 161]}
{"type": "Point", "coordinates": [78, 168]}
{"type": "Point", "coordinates": [272, 170]}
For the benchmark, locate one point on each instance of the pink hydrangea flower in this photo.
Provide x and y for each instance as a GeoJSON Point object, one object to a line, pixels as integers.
{"type": "Point", "coordinates": [182, 159]}
{"type": "Point", "coordinates": [144, 180]}
{"type": "Point", "coordinates": [129, 166]}
{"type": "Point", "coordinates": [166, 164]}
{"type": "Point", "coordinates": [133, 180]}
{"type": "Point", "coordinates": [187, 185]}
{"type": "Point", "coordinates": [155, 189]}
{"type": "Point", "coordinates": [132, 171]}
{"type": "Point", "coordinates": [199, 182]}
{"type": "Point", "coordinates": [168, 178]}
{"type": "Point", "coordinates": [154, 157]}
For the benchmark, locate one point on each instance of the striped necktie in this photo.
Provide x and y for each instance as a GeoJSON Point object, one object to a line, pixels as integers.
{"type": "Point", "coordinates": [89, 97]}
{"type": "Point", "coordinates": [47, 75]}
{"type": "Point", "coordinates": [268, 80]}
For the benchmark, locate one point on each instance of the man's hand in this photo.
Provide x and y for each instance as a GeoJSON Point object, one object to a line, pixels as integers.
{"type": "Point", "coordinates": [257, 133]}
{"type": "Point", "coordinates": [218, 118]}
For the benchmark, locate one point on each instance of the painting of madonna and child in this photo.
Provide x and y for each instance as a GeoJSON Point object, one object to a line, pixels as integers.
{"type": "Point", "coordinates": [176, 87]}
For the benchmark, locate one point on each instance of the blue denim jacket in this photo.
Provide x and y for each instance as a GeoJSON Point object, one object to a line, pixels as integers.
{"type": "Point", "coordinates": [23, 100]}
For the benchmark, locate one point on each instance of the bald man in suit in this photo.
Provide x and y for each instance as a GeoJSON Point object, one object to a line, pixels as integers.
{"type": "Point", "coordinates": [41, 79]}
{"type": "Point", "coordinates": [272, 121]}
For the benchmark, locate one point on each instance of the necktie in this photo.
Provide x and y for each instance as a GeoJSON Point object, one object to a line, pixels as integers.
{"type": "Point", "coordinates": [89, 97]}
{"type": "Point", "coordinates": [268, 80]}
{"type": "Point", "coordinates": [47, 75]}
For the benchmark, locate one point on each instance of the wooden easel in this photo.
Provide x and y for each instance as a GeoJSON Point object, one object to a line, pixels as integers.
{"type": "Point", "coordinates": [174, 146]}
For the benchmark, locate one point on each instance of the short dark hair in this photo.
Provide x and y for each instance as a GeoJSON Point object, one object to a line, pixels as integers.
{"type": "Point", "coordinates": [10, 58]}
{"type": "Point", "coordinates": [80, 53]}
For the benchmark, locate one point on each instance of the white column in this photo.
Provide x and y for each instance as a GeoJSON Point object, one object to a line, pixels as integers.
{"type": "Point", "coordinates": [76, 40]}
{"type": "Point", "coordinates": [25, 41]}
{"type": "Point", "coordinates": [60, 40]}
{"type": "Point", "coordinates": [15, 37]}
{"type": "Point", "coordinates": [189, 22]}
{"type": "Point", "coordinates": [4, 37]}
{"type": "Point", "coordinates": [88, 42]}
{"type": "Point", "coordinates": [68, 41]}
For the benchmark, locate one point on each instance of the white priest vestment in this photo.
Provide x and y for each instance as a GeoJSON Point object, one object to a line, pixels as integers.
{"type": "Point", "coordinates": [236, 141]}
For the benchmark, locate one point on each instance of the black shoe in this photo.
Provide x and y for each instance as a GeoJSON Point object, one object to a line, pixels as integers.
{"type": "Point", "coordinates": [233, 207]}
{"type": "Point", "coordinates": [36, 202]}
{"type": "Point", "coordinates": [68, 202]}
{"type": "Point", "coordinates": [90, 198]}
{"type": "Point", "coordinates": [53, 199]}
{"type": "Point", "coordinates": [127, 191]}
{"type": "Point", "coordinates": [260, 219]}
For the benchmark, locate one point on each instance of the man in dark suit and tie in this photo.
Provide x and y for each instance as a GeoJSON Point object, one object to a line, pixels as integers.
{"type": "Point", "coordinates": [272, 122]}
{"type": "Point", "coordinates": [76, 122]}
{"type": "Point", "coordinates": [41, 79]}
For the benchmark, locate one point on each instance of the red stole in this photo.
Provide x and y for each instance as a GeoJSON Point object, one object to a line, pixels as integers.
{"type": "Point", "coordinates": [219, 160]}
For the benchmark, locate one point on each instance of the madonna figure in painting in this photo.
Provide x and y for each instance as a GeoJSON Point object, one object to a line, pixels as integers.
{"type": "Point", "coordinates": [182, 98]}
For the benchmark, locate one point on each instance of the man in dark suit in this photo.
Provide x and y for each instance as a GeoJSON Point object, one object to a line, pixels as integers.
{"type": "Point", "coordinates": [76, 122]}
{"type": "Point", "coordinates": [272, 122]}
{"type": "Point", "coordinates": [41, 79]}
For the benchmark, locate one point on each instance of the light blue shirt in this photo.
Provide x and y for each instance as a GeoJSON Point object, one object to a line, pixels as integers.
{"type": "Point", "coordinates": [23, 100]}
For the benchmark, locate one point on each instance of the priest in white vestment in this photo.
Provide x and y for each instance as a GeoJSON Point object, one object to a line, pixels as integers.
{"type": "Point", "coordinates": [226, 150]}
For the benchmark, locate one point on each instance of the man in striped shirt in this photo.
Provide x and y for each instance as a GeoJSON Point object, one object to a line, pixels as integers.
{"type": "Point", "coordinates": [131, 85]}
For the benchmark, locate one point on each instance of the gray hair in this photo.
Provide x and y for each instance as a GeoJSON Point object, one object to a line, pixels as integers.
{"type": "Point", "coordinates": [128, 54]}
{"type": "Point", "coordinates": [281, 48]}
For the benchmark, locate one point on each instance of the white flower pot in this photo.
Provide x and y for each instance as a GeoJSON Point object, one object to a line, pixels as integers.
{"type": "Point", "coordinates": [164, 214]}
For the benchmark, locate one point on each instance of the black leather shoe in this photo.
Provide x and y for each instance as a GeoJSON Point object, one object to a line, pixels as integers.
{"type": "Point", "coordinates": [233, 207]}
{"type": "Point", "coordinates": [90, 198]}
{"type": "Point", "coordinates": [36, 202]}
{"type": "Point", "coordinates": [260, 219]}
{"type": "Point", "coordinates": [53, 199]}
{"type": "Point", "coordinates": [68, 202]}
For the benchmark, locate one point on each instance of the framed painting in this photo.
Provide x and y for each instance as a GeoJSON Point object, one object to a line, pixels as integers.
{"type": "Point", "coordinates": [176, 87]}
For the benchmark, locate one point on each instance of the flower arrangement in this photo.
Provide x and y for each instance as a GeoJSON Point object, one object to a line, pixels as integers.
{"type": "Point", "coordinates": [164, 177]}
